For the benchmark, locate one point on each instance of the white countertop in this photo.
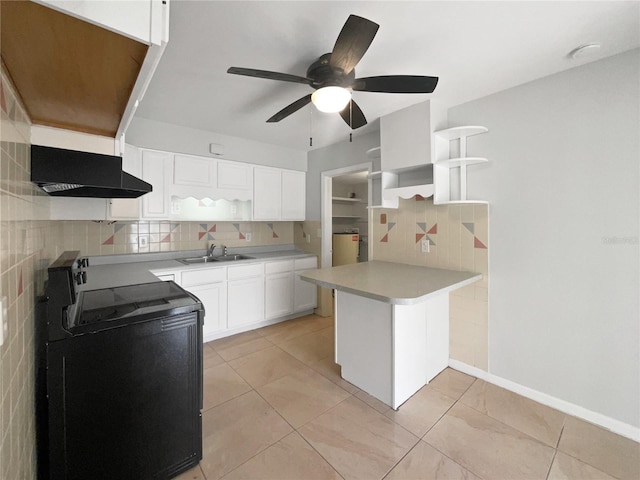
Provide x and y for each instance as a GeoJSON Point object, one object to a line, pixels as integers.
{"type": "Point", "coordinates": [135, 272]}
{"type": "Point", "coordinates": [388, 282]}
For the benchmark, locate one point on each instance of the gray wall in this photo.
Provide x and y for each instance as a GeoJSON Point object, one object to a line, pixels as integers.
{"type": "Point", "coordinates": [332, 157]}
{"type": "Point", "coordinates": [563, 182]}
{"type": "Point", "coordinates": [146, 133]}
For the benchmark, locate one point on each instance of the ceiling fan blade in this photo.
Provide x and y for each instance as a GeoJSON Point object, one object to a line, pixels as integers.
{"type": "Point", "coordinates": [352, 43]}
{"type": "Point", "coordinates": [289, 109]}
{"type": "Point", "coordinates": [285, 77]}
{"type": "Point", "coordinates": [353, 116]}
{"type": "Point", "coordinates": [396, 84]}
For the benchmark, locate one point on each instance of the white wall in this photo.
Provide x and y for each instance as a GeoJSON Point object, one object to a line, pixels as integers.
{"type": "Point", "coordinates": [146, 133]}
{"type": "Point", "coordinates": [563, 182]}
{"type": "Point", "coordinates": [335, 156]}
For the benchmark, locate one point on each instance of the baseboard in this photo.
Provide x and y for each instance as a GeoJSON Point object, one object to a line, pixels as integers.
{"type": "Point", "coordinates": [616, 426]}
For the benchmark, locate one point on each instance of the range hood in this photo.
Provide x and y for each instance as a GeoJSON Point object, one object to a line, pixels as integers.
{"type": "Point", "coordinates": [69, 173]}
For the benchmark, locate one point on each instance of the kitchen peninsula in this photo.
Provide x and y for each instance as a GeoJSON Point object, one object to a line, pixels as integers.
{"type": "Point", "coordinates": [392, 324]}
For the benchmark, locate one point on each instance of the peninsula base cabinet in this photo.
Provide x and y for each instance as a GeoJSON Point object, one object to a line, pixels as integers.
{"type": "Point", "coordinates": [405, 346]}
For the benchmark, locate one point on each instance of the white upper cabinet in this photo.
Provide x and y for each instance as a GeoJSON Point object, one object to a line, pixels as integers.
{"type": "Point", "coordinates": [141, 20]}
{"type": "Point", "coordinates": [234, 180]}
{"type": "Point", "coordinates": [193, 176]}
{"type": "Point", "coordinates": [267, 193]}
{"type": "Point", "coordinates": [156, 168]}
{"type": "Point", "coordinates": [293, 195]}
{"type": "Point", "coordinates": [406, 135]}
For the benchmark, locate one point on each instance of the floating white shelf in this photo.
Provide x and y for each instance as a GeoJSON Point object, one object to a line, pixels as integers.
{"type": "Point", "coordinates": [459, 132]}
{"type": "Point", "coordinates": [346, 216]}
{"type": "Point", "coordinates": [391, 195]}
{"type": "Point", "coordinates": [444, 163]}
{"type": "Point", "coordinates": [373, 152]}
{"type": "Point", "coordinates": [458, 162]}
{"type": "Point", "coordinates": [347, 200]}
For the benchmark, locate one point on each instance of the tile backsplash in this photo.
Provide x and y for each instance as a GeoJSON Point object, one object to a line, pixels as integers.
{"type": "Point", "coordinates": [458, 240]}
{"type": "Point", "coordinates": [108, 238]}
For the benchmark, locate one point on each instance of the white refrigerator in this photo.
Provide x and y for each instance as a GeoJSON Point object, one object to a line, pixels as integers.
{"type": "Point", "coordinates": [345, 248]}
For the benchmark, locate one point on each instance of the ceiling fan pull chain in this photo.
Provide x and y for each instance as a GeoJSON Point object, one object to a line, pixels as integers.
{"type": "Point", "coordinates": [311, 128]}
{"type": "Point", "coordinates": [351, 120]}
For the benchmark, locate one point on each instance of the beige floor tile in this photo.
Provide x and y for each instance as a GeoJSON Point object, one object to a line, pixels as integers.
{"type": "Point", "coordinates": [568, 468]}
{"type": "Point", "coordinates": [234, 340]}
{"type": "Point", "coordinates": [488, 447]}
{"type": "Point", "coordinates": [302, 396]}
{"type": "Point", "coordinates": [290, 459]}
{"type": "Point", "coordinates": [600, 448]}
{"type": "Point", "coordinates": [194, 474]}
{"type": "Point", "coordinates": [421, 411]}
{"type": "Point", "coordinates": [451, 382]}
{"type": "Point", "coordinates": [210, 357]}
{"type": "Point", "coordinates": [539, 421]}
{"type": "Point", "coordinates": [244, 348]}
{"type": "Point", "coordinates": [236, 431]}
{"type": "Point", "coordinates": [311, 347]}
{"type": "Point", "coordinates": [265, 366]}
{"type": "Point", "coordinates": [358, 441]}
{"type": "Point", "coordinates": [378, 405]}
{"type": "Point", "coordinates": [281, 332]}
{"type": "Point", "coordinates": [221, 383]}
{"type": "Point", "coordinates": [328, 368]}
{"type": "Point", "coordinates": [425, 462]}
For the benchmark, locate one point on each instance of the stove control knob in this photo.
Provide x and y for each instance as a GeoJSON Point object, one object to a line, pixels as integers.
{"type": "Point", "coordinates": [81, 277]}
{"type": "Point", "coordinates": [83, 262]}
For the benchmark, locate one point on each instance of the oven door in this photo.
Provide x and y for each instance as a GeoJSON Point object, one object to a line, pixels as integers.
{"type": "Point", "coordinates": [125, 402]}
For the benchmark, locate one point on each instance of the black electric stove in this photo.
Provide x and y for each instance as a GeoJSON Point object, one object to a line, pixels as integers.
{"type": "Point", "coordinates": [119, 383]}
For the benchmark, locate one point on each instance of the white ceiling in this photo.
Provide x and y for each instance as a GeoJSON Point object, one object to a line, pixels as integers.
{"type": "Point", "coordinates": [476, 48]}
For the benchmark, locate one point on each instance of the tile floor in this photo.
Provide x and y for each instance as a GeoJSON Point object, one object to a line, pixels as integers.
{"type": "Point", "coordinates": [275, 407]}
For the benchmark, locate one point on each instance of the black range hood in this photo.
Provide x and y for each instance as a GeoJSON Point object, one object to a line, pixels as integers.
{"type": "Point", "coordinates": [69, 173]}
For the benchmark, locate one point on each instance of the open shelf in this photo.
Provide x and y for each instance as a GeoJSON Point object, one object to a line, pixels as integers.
{"type": "Point", "coordinates": [347, 200]}
{"type": "Point", "coordinates": [458, 162]}
{"type": "Point", "coordinates": [459, 132]}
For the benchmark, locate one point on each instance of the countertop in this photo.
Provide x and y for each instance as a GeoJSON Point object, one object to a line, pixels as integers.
{"type": "Point", "coordinates": [132, 272]}
{"type": "Point", "coordinates": [388, 282]}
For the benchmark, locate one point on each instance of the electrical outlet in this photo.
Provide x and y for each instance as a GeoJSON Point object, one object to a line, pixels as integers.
{"type": "Point", "coordinates": [176, 207]}
{"type": "Point", "coordinates": [425, 245]}
{"type": "Point", "coordinates": [247, 236]}
{"type": "Point", "coordinates": [143, 240]}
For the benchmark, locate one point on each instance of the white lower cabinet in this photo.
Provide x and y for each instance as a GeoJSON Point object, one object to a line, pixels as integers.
{"type": "Point", "coordinates": [278, 289]}
{"type": "Point", "coordinates": [242, 297]}
{"type": "Point", "coordinates": [305, 294]}
{"type": "Point", "coordinates": [210, 286]}
{"type": "Point", "coordinates": [214, 299]}
{"type": "Point", "coordinates": [245, 295]}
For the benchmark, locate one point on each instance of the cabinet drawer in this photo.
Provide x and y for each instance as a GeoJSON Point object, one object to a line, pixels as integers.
{"type": "Point", "coordinates": [245, 271]}
{"type": "Point", "coordinates": [278, 267]}
{"type": "Point", "coordinates": [202, 277]}
{"type": "Point", "coordinates": [306, 263]}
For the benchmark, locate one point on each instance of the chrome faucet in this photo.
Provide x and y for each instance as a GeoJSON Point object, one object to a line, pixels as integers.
{"type": "Point", "coordinates": [224, 250]}
{"type": "Point", "coordinates": [211, 249]}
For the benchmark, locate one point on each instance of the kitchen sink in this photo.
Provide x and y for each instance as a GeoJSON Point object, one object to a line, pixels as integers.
{"type": "Point", "coordinates": [221, 258]}
{"type": "Point", "coordinates": [231, 258]}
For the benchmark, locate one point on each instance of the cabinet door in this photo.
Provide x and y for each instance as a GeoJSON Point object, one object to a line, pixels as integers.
{"type": "Point", "coordinates": [214, 299]}
{"type": "Point", "coordinates": [278, 295]}
{"type": "Point", "coordinates": [305, 294]}
{"type": "Point", "coordinates": [235, 181]}
{"type": "Point", "coordinates": [127, 208]}
{"type": "Point", "coordinates": [156, 168]}
{"type": "Point", "coordinates": [267, 187]}
{"type": "Point", "coordinates": [245, 301]}
{"type": "Point", "coordinates": [293, 195]}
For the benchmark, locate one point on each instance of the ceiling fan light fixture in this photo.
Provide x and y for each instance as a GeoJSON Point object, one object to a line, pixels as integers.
{"type": "Point", "coordinates": [331, 99]}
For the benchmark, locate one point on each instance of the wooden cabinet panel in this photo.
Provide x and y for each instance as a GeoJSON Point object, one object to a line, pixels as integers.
{"type": "Point", "coordinates": [214, 299]}
{"type": "Point", "coordinates": [267, 187]}
{"type": "Point", "coordinates": [293, 195]}
{"type": "Point", "coordinates": [278, 294]}
{"type": "Point", "coordinates": [245, 301]}
{"type": "Point", "coordinates": [155, 170]}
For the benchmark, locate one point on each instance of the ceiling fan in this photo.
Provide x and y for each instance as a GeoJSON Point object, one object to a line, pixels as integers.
{"type": "Point", "coordinates": [334, 78]}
